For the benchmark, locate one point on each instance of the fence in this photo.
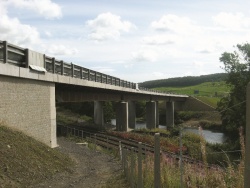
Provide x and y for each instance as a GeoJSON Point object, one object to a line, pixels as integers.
{"type": "Point", "coordinates": [146, 166]}
{"type": "Point", "coordinates": [136, 161]}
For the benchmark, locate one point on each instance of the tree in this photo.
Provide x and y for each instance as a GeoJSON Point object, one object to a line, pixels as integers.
{"type": "Point", "coordinates": [233, 106]}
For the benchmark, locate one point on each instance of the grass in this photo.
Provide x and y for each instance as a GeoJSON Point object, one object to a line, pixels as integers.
{"type": "Point", "coordinates": [208, 92]}
{"type": "Point", "coordinates": [25, 161]}
{"type": "Point", "coordinates": [67, 117]}
{"type": "Point", "coordinates": [193, 175]}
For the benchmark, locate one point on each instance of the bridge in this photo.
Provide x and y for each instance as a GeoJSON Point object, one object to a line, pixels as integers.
{"type": "Point", "coordinates": [32, 83]}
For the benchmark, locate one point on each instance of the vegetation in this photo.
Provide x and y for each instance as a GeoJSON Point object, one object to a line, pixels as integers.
{"type": "Point", "coordinates": [193, 174]}
{"type": "Point", "coordinates": [208, 92]}
{"type": "Point", "coordinates": [25, 161]}
{"type": "Point", "coordinates": [233, 106]}
{"type": "Point", "coordinates": [68, 117]}
{"type": "Point", "coordinates": [184, 81]}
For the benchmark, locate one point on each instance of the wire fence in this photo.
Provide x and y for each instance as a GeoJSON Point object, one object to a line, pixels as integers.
{"type": "Point", "coordinates": [146, 168]}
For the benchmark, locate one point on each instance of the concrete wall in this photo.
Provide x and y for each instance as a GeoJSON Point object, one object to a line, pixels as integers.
{"type": "Point", "coordinates": [29, 106]}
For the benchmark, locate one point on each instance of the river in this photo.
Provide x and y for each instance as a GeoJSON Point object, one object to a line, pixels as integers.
{"type": "Point", "coordinates": [210, 136]}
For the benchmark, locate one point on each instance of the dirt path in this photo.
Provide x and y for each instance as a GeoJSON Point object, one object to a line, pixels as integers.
{"type": "Point", "coordinates": [92, 169]}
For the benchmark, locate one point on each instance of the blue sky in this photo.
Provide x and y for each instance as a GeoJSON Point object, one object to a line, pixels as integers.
{"type": "Point", "coordinates": [135, 40]}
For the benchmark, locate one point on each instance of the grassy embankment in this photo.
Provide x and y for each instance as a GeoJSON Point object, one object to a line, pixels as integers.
{"type": "Point", "coordinates": [208, 92]}
{"type": "Point", "coordinates": [25, 161]}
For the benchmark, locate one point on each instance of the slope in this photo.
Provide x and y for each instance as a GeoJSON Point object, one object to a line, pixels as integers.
{"type": "Point", "coordinates": [25, 161]}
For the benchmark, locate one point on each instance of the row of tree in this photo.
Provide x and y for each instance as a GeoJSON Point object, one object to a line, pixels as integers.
{"type": "Point", "coordinates": [184, 81]}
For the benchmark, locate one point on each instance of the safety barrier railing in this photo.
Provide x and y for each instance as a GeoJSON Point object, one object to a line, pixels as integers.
{"type": "Point", "coordinates": [19, 56]}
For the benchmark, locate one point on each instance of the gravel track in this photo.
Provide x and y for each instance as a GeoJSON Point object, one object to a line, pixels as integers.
{"type": "Point", "coordinates": [92, 168]}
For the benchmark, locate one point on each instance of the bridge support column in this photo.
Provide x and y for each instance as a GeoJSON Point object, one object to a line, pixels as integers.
{"type": "Point", "coordinates": [122, 116]}
{"type": "Point", "coordinates": [169, 114]}
{"type": "Point", "coordinates": [98, 113]}
{"type": "Point", "coordinates": [157, 114]}
{"type": "Point", "coordinates": [131, 114]}
{"type": "Point", "coordinates": [151, 115]}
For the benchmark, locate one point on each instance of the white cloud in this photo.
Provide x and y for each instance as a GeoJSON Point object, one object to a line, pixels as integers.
{"type": "Point", "coordinates": [46, 8]}
{"type": "Point", "coordinates": [159, 75]}
{"type": "Point", "coordinates": [108, 26]}
{"type": "Point", "coordinates": [175, 24]}
{"type": "Point", "coordinates": [145, 55]}
{"type": "Point", "coordinates": [103, 69]}
{"type": "Point", "coordinates": [232, 21]}
{"type": "Point", "coordinates": [60, 50]}
{"type": "Point", "coordinates": [160, 40]}
{"type": "Point", "coordinates": [48, 34]}
{"type": "Point", "coordinates": [205, 47]}
{"type": "Point", "coordinates": [13, 31]}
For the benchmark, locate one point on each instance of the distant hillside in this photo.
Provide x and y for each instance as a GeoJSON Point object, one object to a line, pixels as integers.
{"type": "Point", "coordinates": [184, 81]}
{"type": "Point", "coordinates": [208, 92]}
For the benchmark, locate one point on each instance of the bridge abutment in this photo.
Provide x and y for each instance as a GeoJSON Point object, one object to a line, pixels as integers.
{"type": "Point", "coordinates": [29, 106]}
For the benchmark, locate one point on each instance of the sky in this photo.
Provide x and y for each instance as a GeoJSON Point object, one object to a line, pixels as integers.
{"type": "Point", "coordinates": [135, 40]}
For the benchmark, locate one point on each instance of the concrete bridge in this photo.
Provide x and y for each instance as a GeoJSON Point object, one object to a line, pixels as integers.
{"type": "Point", "coordinates": [31, 83]}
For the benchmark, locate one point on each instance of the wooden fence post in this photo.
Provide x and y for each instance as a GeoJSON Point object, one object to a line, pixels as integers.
{"type": "Point", "coordinates": [247, 137]}
{"type": "Point", "coordinates": [126, 162]}
{"type": "Point", "coordinates": [95, 142]}
{"type": "Point", "coordinates": [132, 168]}
{"type": "Point", "coordinates": [157, 167]}
{"type": "Point", "coordinates": [139, 183]}
{"type": "Point", "coordinates": [181, 165]}
{"type": "Point", "coordinates": [120, 149]}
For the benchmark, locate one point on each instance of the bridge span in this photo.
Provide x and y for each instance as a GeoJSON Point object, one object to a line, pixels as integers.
{"type": "Point", "coordinates": [31, 83]}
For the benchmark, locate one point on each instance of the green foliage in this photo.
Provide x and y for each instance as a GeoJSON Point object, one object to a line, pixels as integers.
{"type": "Point", "coordinates": [233, 106]}
{"type": "Point", "coordinates": [140, 108]}
{"type": "Point", "coordinates": [187, 115]}
{"type": "Point", "coordinates": [184, 81]}
{"type": "Point", "coordinates": [81, 108]}
{"type": "Point", "coordinates": [108, 111]}
{"type": "Point", "coordinates": [192, 142]}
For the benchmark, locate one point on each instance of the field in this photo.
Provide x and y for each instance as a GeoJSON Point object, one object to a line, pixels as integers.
{"type": "Point", "coordinates": [208, 92]}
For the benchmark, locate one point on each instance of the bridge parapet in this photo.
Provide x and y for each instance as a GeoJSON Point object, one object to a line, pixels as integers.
{"type": "Point", "coordinates": [27, 58]}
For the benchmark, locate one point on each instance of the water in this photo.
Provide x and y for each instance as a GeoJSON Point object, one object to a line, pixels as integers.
{"type": "Point", "coordinates": [210, 137]}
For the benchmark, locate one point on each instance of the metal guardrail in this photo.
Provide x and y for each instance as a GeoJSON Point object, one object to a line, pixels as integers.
{"type": "Point", "coordinates": [18, 56]}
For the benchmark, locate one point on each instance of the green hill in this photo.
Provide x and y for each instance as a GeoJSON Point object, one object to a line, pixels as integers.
{"type": "Point", "coordinates": [208, 92]}
{"type": "Point", "coordinates": [208, 88]}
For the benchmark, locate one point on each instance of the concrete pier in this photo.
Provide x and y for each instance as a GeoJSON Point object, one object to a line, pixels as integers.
{"type": "Point", "coordinates": [157, 114]}
{"type": "Point", "coordinates": [151, 114]}
{"type": "Point", "coordinates": [122, 116]}
{"type": "Point", "coordinates": [170, 114]}
{"type": "Point", "coordinates": [131, 114]}
{"type": "Point", "coordinates": [98, 113]}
